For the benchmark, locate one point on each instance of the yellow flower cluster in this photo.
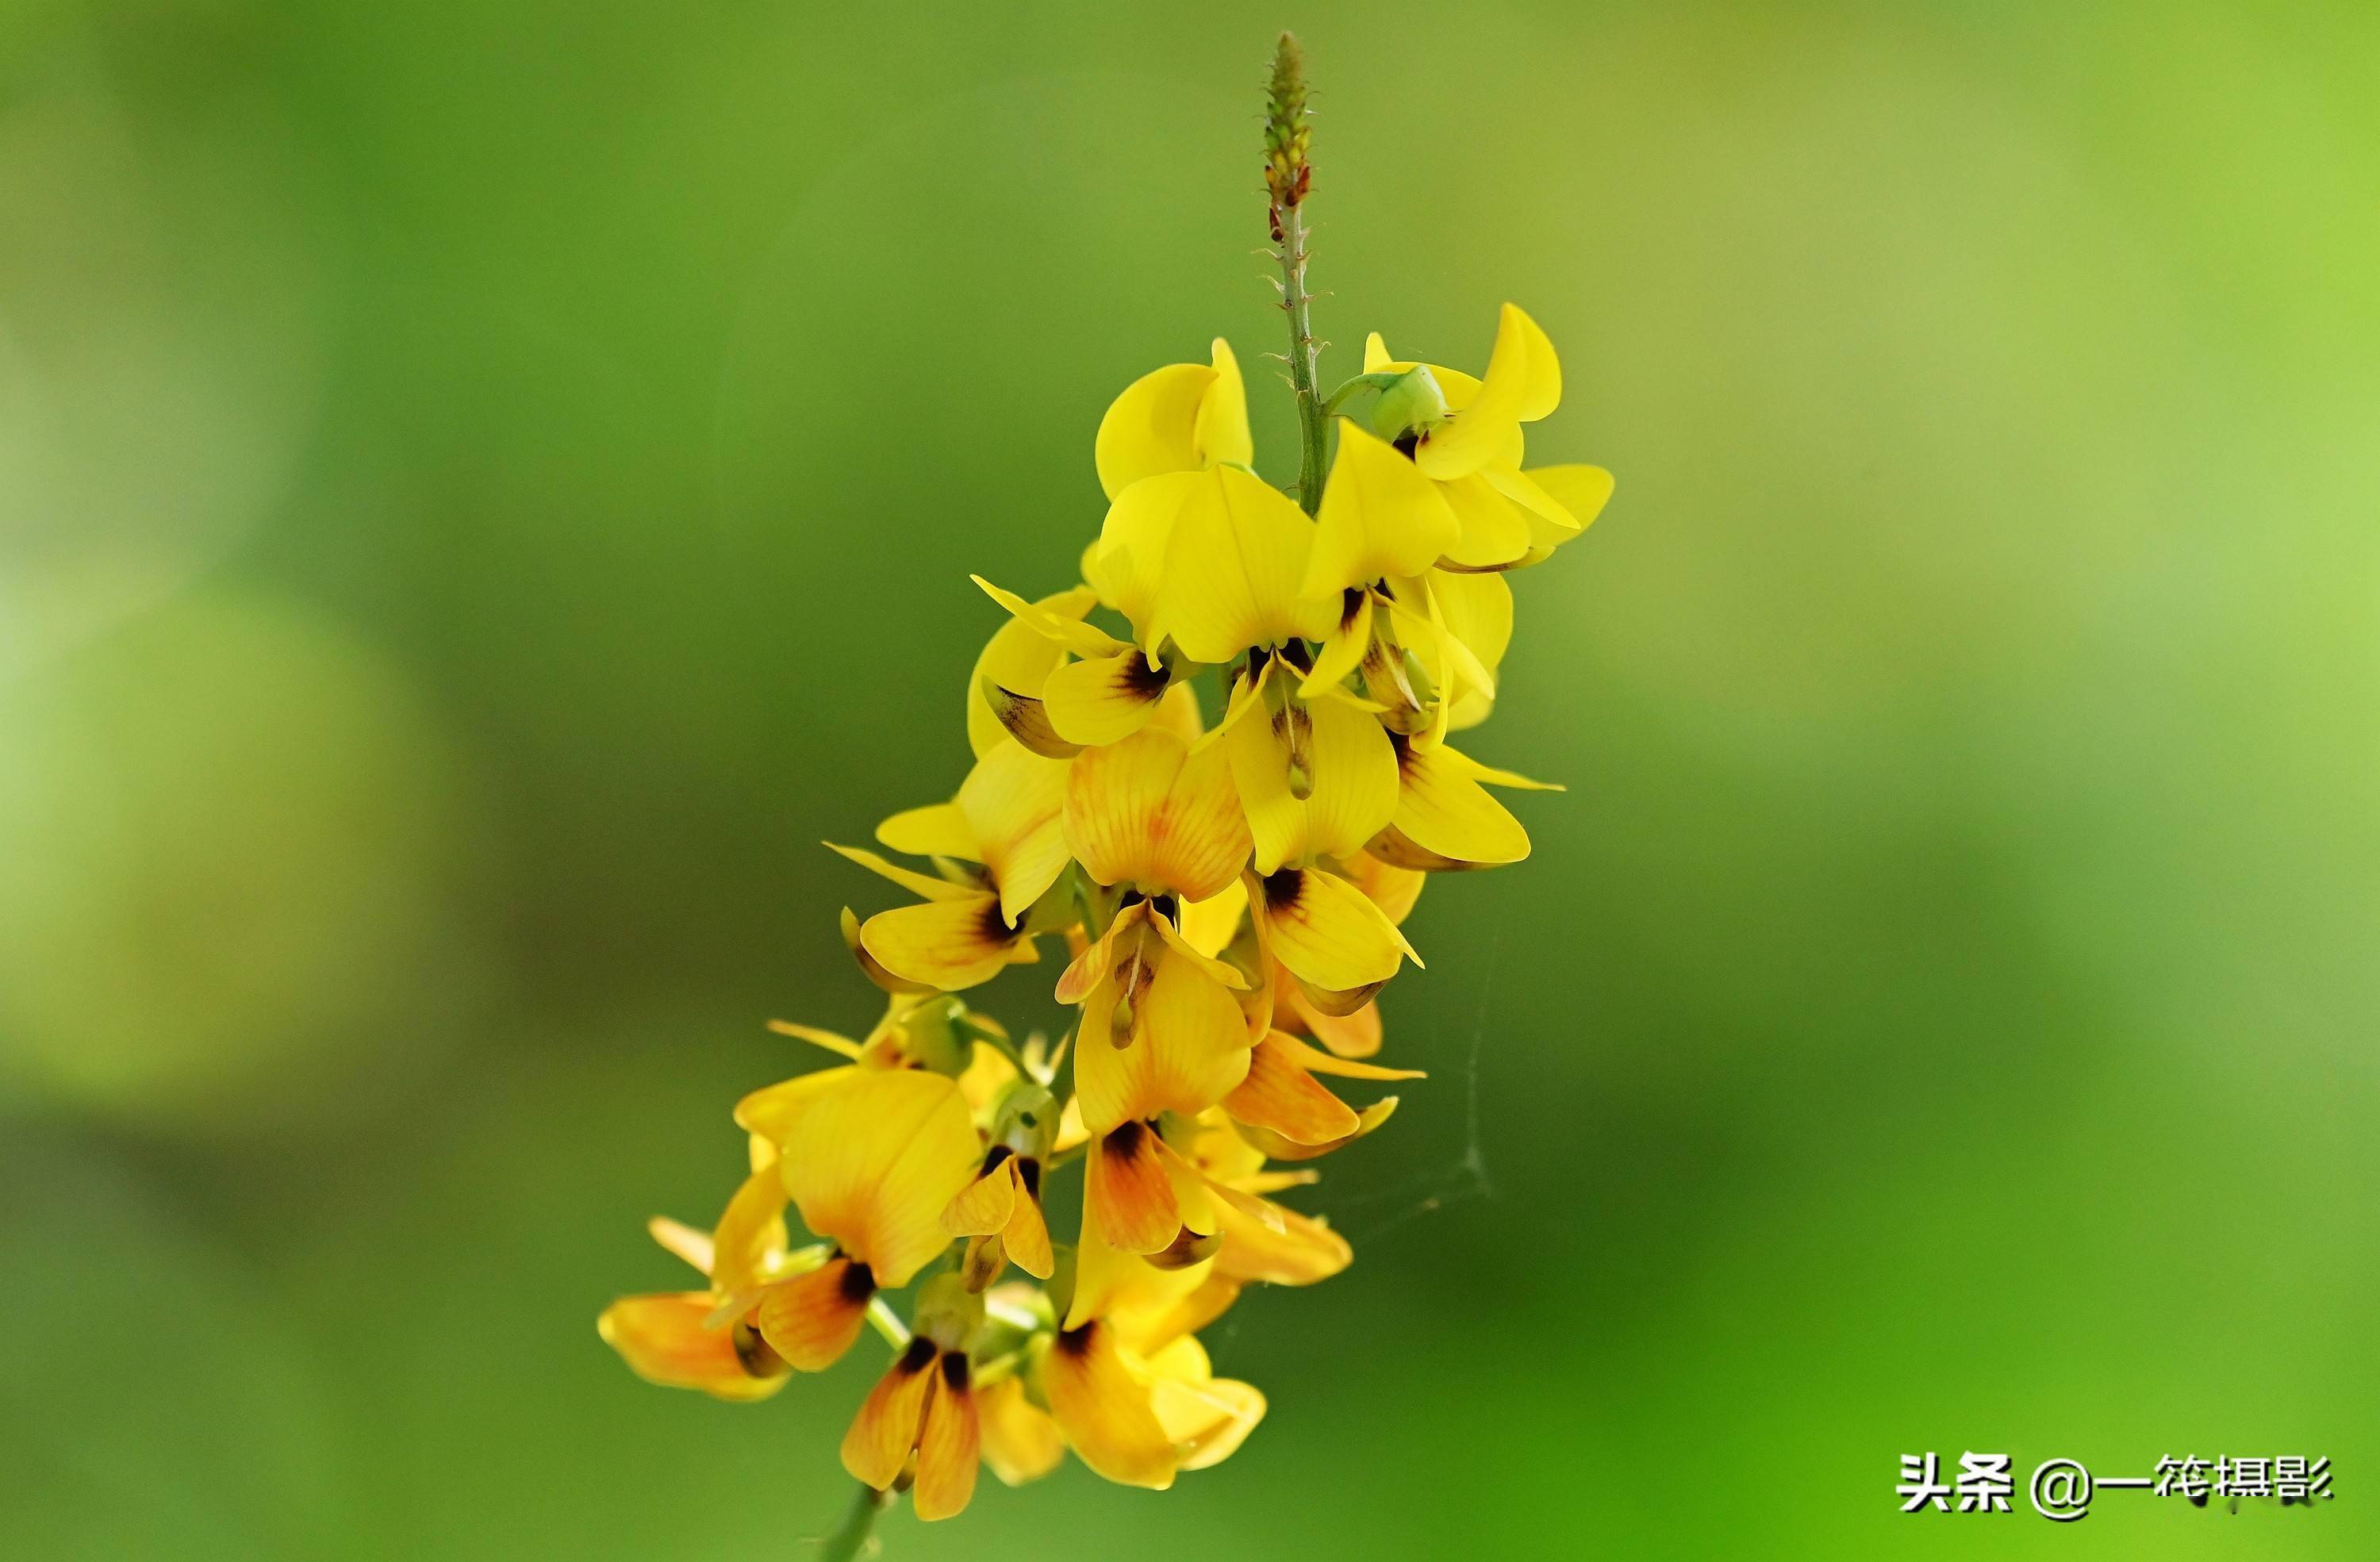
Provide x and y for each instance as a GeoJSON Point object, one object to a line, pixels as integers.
{"type": "Point", "coordinates": [1229, 898]}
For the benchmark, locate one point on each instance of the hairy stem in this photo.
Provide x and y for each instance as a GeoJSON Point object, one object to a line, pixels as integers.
{"type": "Point", "coordinates": [851, 1541]}
{"type": "Point", "coordinates": [1289, 177]}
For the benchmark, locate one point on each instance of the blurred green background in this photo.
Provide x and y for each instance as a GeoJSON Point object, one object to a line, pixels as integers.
{"type": "Point", "coordinates": [485, 487]}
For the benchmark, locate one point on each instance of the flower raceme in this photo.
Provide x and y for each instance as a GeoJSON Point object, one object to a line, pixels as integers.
{"type": "Point", "coordinates": [1203, 823]}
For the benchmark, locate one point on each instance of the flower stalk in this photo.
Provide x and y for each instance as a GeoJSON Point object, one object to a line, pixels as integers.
{"type": "Point", "coordinates": [850, 1541]}
{"type": "Point", "coordinates": [1288, 177]}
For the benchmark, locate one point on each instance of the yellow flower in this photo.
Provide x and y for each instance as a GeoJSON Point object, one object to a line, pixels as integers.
{"type": "Point", "coordinates": [925, 1404]}
{"type": "Point", "coordinates": [1126, 1381]}
{"type": "Point", "coordinates": [1445, 818]}
{"type": "Point", "coordinates": [1182, 418]}
{"type": "Point", "coordinates": [673, 1338]}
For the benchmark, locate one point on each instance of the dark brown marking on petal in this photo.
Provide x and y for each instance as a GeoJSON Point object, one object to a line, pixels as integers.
{"type": "Point", "coordinates": [1407, 442]}
{"type": "Point", "coordinates": [993, 1156]}
{"type": "Point", "coordinates": [1141, 680]}
{"type": "Point", "coordinates": [955, 1372]}
{"type": "Point", "coordinates": [917, 1357]}
{"type": "Point", "coordinates": [753, 1355]}
{"type": "Point", "coordinates": [1029, 1169]}
{"type": "Point", "coordinates": [1351, 604]}
{"type": "Point", "coordinates": [1282, 886]}
{"type": "Point", "coordinates": [1123, 1142]}
{"type": "Point", "coordinates": [858, 1283]}
{"type": "Point", "coordinates": [1077, 1342]}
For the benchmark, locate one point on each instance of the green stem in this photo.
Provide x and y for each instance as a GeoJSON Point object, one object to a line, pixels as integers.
{"type": "Point", "coordinates": [1312, 426]}
{"type": "Point", "coordinates": [849, 1542]}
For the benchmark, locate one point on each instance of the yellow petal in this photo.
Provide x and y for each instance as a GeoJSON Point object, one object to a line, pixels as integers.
{"type": "Point", "coordinates": [1376, 354]}
{"type": "Point", "coordinates": [1344, 645]}
{"type": "Point", "coordinates": [1072, 632]}
{"type": "Point", "coordinates": [750, 1237]}
{"type": "Point", "coordinates": [1278, 1148]}
{"type": "Point", "coordinates": [1149, 811]}
{"type": "Point", "coordinates": [1488, 429]}
{"type": "Point", "coordinates": [1017, 657]}
{"type": "Point", "coordinates": [1353, 774]}
{"type": "Point", "coordinates": [1128, 1194]}
{"type": "Point", "coordinates": [810, 1320]}
{"type": "Point", "coordinates": [880, 1157]}
{"type": "Point", "coordinates": [1012, 801]}
{"type": "Point", "coordinates": [1394, 889]}
{"type": "Point", "coordinates": [924, 884]}
{"type": "Point", "coordinates": [1235, 570]}
{"type": "Point", "coordinates": [951, 945]}
{"type": "Point", "coordinates": [1210, 925]}
{"type": "Point", "coordinates": [1101, 1407]}
{"type": "Point", "coordinates": [682, 1240]}
{"type": "Point", "coordinates": [774, 1111]}
{"type": "Point", "coordinates": [1495, 532]}
{"type": "Point", "coordinates": [1581, 491]}
{"type": "Point", "coordinates": [1104, 699]}
{"type": "Point", "coordinates": [947, 1443]}
{"type": "Point", "coordinates": [1025, 719]}
{"type": "Point", "coordinates": [1153, 427]}
{"type": "Point", "coordinates": [1479, 612]}
{"type": "Point", "coordinates": [1379, 516]}
{"type": "Point", "coordinates": [1127, 564]}
{"type": "Point", "coordinates": [1443, 811]}
{"type": "Point", "coordinates": [939, 830]}
{"type": "Point", "coordinates": [886, 1428]}
{"type": "Point", "coordinates": [1020, 1440]}
{"type": "Point", "coordinates": [1221, 435]}
{"type": "Point", "coordinates": [1326, 931]}
{"type": "Point", "coordinates": [666, 1340]}
{"type": "Point", "coordinates": [1189, 1047]}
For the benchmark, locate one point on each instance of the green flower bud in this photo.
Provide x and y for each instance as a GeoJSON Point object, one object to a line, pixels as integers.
{"type": "Point", "coordinates": [1412, 405]}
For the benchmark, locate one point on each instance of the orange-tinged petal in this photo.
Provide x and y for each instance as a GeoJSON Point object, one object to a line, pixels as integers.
{"type": "Point", "coordinates": [947, 1443]}
{"type": "Point", "coordinates": [1327, 931]}
{"type": "Point", "coordinates": [1235, 570]}
{"type": "Point", "coordinates": [1379, 517]}
{"type": "Point", "coordinates": [1026, 1235]}
{"type": "Point", "coordinates": [1017, 657]}
{"type": "Point", "coordinates": [1020, 1440]}
{"type": "Point", "coordinates": [1302, 1252]}
{"type": "Point", "coordinates": [1393, 889]}
{"type": "Point", "coordinates": [666, 1340]}
{"type": "Point", "coordinates": [888, 1420]}
{"type": "Point", "coordinates": [1152, 426]}
{"type": "Point", "coordinates": [1349, 1036]}
{"type": "Point", "coordinates": [1208, 1417]}
{"type": "Point", "coordinates": [1012, 801]}
{"type": "Point", "coordinates": [1105, 699]}
{"type": "Point", "coordinates": [985, 1204]}
{"type": "Point", "coordinates": [811, 1319]}
{"type": "Point", "coordinates": [1283, 1096]}
{"type": "Point", "coordinates": [1101, 1407]}
{"type": "Point", "coordinates": [1153, 811]}
{"type": "Point", "coordinates": [1277, 1148]}
{"type": "Point", "coordinates": [1128, 1193]}
{"type": "Point", "coordinates": [881, 1158]}
{"type": "Point", "coordinates": [682, 1240]}
{"type": "Point", "coordinates": [1297, 1054]}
